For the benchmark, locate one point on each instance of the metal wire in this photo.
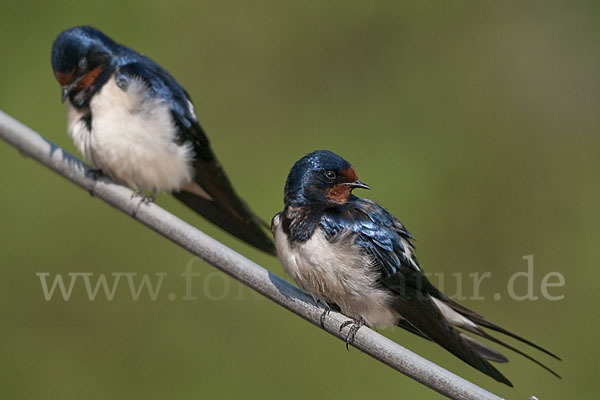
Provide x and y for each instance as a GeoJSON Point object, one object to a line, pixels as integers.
{"type": "Point", "coordinates": [254, 276]}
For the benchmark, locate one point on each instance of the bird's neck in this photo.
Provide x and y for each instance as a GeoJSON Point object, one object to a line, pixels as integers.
{"type": "Point", "coordinates": [301, 220]}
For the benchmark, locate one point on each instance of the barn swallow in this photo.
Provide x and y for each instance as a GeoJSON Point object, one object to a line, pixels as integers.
{"type": "Point", "coordinates": [351, 253]}
{"type": "Point", "coordinates": [136, 124]}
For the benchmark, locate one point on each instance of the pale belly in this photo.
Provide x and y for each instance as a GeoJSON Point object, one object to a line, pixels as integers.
{"type": "Point", "coordinates": [132, 139]}
{"type": "Point", "coordinates": [337, 273]}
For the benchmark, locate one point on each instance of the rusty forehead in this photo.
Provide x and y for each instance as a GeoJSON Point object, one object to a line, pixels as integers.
{"type": "Point", "coordinates": [350, 173]}
{"type": "Point", "coordinates": [64, 78]}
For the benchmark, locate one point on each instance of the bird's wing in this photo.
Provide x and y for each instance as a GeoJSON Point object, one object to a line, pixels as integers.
{"type": "Point", "coordinates": [213, 195]}
{"type": "Point", "coordinates": [423, 306]}
{"type": "Point", "coordinates": [382, 236]}
{"type": "Point", "coordinates": [387, 240]}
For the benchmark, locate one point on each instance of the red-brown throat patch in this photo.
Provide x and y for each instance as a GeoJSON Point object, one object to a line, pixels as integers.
{"type": "Point", "coordinates": [339, 193]}
{"type": "Point", "coordinates": [89, 78]}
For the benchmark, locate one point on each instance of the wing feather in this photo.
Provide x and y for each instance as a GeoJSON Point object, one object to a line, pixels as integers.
{"type": "Point", "coordinates": [417, 300]}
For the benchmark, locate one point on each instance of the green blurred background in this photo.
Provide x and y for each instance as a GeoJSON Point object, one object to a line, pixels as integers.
{"type": "Point", "coordinates": [475, 123]}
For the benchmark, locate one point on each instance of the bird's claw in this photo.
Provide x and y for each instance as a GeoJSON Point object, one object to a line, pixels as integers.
{"type": "Point", "coordinates": [95, 174]}
{"type": "Point", "coordinates": [323, 315]}
{"type": "Point", "coordinates": [326, 311]}
{"type": "Point", "coordinates": [356, 325]}
{"type": "Point", "coordinates": [145, 199]}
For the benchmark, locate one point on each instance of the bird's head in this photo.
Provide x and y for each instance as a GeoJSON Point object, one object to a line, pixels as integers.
{"type": "Point", "coordinates": [321, 177]}
{"type": "Point", "coordinates": [81, 55]}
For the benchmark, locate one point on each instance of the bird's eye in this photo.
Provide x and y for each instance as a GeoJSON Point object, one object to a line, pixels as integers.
{"type": "Point", "coordinates": [329, 175]}
{"type": "Point", "coordinates": [82, 63]}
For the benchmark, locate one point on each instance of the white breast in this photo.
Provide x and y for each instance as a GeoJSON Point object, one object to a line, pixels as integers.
{"type": "Point", "coordinates": [132, 138]}
{"type": "Point", "coordinates": [337, 273]}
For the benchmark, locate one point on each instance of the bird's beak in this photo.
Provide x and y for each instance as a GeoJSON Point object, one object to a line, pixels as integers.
{"type": "Point", "coordinates": [358, 185]}
{"type": "Point", "coordinates": [65, 92]}
{"type": "Point", "coordinates": [66, 89]}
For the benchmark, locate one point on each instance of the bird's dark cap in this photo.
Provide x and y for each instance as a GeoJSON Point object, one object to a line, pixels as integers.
{"type": "Point", "coordinates": [71, 44]}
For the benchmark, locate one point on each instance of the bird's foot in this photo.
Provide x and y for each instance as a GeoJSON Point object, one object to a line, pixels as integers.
{"type": "Point", "coordinates": [356, 325]}
{"type": "Point", "coordinates": [145, 199]}
{"type": "Point", "coordinates": [326, 310]}
{"type": "Point", "coordinates": [94, 174]}
{"type": "Point", "coordinates": [323, 315]}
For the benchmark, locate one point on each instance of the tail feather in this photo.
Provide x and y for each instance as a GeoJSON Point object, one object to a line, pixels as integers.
{"type": "Point", "coordinates": [426, 317]}
{"type": "Point", "coordinates": [470, 321]}
{"type": "Point", "coordinates": [484, 350]}
{"type": "Point", "coordinates": [480, 320]}
{"type": "Point", "coordinates": [247, 229]}
{"type": "Point", "coordinates": [508, 346]}
{"type": "Point", "coordinates": [214, 198]}
{"type": "Point", "coordinates": [211, 193]}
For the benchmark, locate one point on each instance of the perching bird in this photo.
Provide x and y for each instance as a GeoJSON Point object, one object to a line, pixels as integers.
{"type": "Point", "coordinates": [349, 252]}
{"type": "Point", "coordinates": [136, 124]}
